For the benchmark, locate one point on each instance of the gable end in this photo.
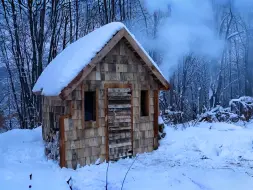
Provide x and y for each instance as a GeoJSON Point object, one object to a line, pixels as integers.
{"type": "Point", "coordinates": [145, 60]}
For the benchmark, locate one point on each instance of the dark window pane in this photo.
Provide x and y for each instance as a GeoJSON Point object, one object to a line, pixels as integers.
{"type": "Point", "coordinates": [144, 103]}
{"type": "Point", "coordinates": [90, 106]}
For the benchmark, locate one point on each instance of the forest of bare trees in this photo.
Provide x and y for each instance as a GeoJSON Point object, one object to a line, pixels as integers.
{"type": "Point", "coordinates": [33, 32]}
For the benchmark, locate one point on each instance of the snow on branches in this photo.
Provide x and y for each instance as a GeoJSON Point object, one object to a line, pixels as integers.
{"type": "Point", "coordinates": [239, 109]}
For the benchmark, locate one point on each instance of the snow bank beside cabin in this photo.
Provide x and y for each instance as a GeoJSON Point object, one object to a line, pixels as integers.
{"type": "Point", "coordinates": [217, 142]}
{"type": "Point", "coordinates": [22, 154]}
{"type": "Point", "coordinates": [67, 64]}
{"type": "Point", "coordinates": [209, 156]}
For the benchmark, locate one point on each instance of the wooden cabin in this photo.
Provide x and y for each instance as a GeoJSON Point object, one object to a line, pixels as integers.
{"type": "Point", "coordinates": [100, 99]}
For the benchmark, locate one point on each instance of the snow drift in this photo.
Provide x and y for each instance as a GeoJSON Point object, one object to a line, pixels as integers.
{"type": "Point", "coordinates": [209, 156]}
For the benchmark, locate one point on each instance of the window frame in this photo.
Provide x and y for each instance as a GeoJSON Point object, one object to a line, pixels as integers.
{"type": "Point", "coordinates": [91, 123]}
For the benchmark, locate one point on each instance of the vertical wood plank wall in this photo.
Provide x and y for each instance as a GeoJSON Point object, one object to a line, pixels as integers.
{"type": "Point", "coordinates": [85, 142]}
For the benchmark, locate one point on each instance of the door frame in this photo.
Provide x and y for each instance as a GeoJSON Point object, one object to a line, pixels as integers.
{"type": "Point", "coordinates": [115, 85]}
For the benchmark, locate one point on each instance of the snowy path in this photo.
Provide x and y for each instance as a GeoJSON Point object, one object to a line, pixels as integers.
{"type": "Point", "coordinates": [198, 158]}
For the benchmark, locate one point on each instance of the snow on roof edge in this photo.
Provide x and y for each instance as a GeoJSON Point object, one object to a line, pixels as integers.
{"type": "Point", "coordinates": [61, 70]}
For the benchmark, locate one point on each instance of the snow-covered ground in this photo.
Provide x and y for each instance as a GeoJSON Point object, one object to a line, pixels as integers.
{"type": "Point", "coordinates": [214, 156]}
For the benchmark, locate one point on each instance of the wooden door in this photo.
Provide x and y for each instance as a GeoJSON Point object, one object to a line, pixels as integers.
{"type": "Point", "coordinates": [119, 123]}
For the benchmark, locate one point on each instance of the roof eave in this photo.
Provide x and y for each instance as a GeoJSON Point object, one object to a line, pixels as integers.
{"type": "Point", "coordinates": [166, 87]}
{"type": "Point", "coordinates": [37, 92]}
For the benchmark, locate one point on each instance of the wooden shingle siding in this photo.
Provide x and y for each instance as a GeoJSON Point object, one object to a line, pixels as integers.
{"type": "Point", "coordinates": [87, 141]}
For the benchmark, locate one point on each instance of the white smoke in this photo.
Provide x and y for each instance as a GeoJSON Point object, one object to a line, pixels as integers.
{"type": "Point", "coordinates": [190, 28]}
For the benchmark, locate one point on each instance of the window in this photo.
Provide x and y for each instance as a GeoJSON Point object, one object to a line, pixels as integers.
{"type": "Point", "coordinates": [51, 120]}
{"type": "Point", "coordinates": [144, 103]}
{"type": "Point", "coordinates": [90, 106]}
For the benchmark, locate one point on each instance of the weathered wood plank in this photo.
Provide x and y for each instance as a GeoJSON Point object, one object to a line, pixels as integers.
{"type": "Point", "coordinates": [119, 140]}
{"type": "Point", "coordinates": [62, 142]}
{"type": "Point", "coordinates": [106, 125]}
{"type": "Point", "coordinates": [156, 113]}
{"type": "Point", "coordinates": [119, 109]}
{"type": "Point", "coordinates": [118, 120]}
{"type": "Point", "coordinates": [124, 130]}
{"type": "Point", "coordinates": [117, 125]}
{"type": "Point", "coordinates": [113, 94]}
{"type": "Point", "coordinates": [118, 90]}
{"type": "Point", "coordinates": [119, 97]}
{"type": "Point", "coordinates": [116, 85]}
{"type": "Point", "coordinates": [119, 117]}
{"type": "Point", "coordinates": [120, 112]}
{"type": "Point", "coordinates": [116, 106]}
{"type": "Point", "coordinates": [120, 145]}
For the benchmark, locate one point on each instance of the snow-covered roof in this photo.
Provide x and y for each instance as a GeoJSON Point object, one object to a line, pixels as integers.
{"type": "Point", "coordinates": [68, 64]}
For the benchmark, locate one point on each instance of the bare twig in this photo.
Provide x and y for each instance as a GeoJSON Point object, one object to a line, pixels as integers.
{"type": "Point", "coordinates": [69, 182]}
{"type": "Point", "coordinates": [127, 172]}
{"type": "Point", "coordinates": [106, 181]}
